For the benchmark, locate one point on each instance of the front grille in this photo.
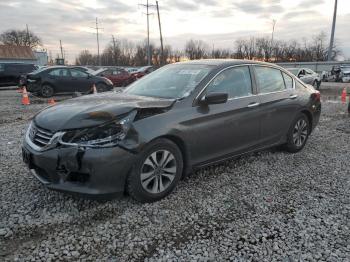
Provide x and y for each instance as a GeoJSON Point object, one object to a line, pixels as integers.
{"type": "Point", "coordinates": [39, 136]}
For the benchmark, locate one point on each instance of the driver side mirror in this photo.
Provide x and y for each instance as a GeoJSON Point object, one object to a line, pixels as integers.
{"type": "Point", "coordinates": [214, 98]}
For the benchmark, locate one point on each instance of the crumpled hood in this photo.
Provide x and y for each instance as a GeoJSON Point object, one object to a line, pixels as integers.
{"type": "Point", "coordinates": [92, 110]}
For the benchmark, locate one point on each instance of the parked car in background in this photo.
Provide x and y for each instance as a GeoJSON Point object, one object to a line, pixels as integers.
{"type": "Point", "coordinates": [10, 73]}
{"type": "Point", "coordinates": [142, 71]}
{"type": "Point", "coordinates": [61, 79]}
{"type": "Point", "coordinates": [118, 76]}
{"type": "Point", "coordinates": [307, 76]}
{"type": "Point", "coordinates": [345, 74]}
{"type": "Point", "coordinates": [179, 118]}
{"type": "Point", "coordinates": [335, 75]}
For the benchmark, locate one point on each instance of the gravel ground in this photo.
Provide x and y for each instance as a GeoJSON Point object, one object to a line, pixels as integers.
{"type": "Point", "coordinates": [268, 206]}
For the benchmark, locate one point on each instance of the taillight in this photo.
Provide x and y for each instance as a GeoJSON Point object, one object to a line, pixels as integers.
{"type": "Point", "coordinates": [316, 95]}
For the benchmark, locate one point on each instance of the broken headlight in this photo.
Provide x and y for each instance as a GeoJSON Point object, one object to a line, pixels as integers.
{"type": "Point", "coordinates": [105, 135]}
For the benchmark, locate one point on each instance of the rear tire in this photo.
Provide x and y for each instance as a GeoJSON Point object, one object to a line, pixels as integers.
{"type": "Point", "coordinates": [47, 90]}
{"type": "Point", "coordinates": [298, 134]}
{"type": "Point", "coordinates": [156, 172]}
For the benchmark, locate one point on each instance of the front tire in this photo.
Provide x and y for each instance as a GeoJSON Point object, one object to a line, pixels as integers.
{"type": "Point", "coordinates": [156, 172]}
{"type": "Point", "coordinates": [101, 87]}
{"type": "Point", "coordinates": [46, 90]}
{"type": "Point", "coordinates": [298, 134]}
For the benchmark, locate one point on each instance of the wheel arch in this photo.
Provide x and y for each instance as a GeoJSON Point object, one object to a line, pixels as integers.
{"type": "Point", "coordinates": [179, 142]}
{"type": "Point", "coordinates": [309, 117]}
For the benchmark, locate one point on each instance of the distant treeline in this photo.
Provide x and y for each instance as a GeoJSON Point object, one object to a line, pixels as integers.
{"type": "Point", "coordinates": [127, 53]}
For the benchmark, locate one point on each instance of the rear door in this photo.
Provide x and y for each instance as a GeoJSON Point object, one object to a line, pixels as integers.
{"type": "Point", "coordinates": [61, 80]}
{"type": "Point", "coordinates": [221, 130]}
{"type": "Point", "coordinates": [278, 103]}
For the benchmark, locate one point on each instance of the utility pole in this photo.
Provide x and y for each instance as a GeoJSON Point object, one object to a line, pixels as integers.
{"type": "Point", "coordinates": [273, 29]}
{"type": "Point", "coordinates": [27, 36]}
{"type": "Point", "coordinates": [331, 43]}
{"type": "Point", "coordinates": [114, 49]}
{"type": "Point", "coordinates": [147, 5]}
{"type": "Point", "coordinates": [61, 49]}
{"type": "Point", "coordinates": [161, 37]}
{"type": "Point", "coordinates": [273, 32]}
{"type": "Point", "coordinates": [98, 44]}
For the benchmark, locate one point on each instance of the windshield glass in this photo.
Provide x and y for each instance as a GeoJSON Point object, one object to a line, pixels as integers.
{"type": "Point", "coordinates": [39, 70]}
{"type": "Point", "coordinates": [172, 81]}
{"type": "Point", "coordinates": [294, 71]}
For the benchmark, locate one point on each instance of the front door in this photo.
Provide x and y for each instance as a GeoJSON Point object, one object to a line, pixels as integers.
{"type": "Point", "coordinates": [81, 81]}
{"type": "Point", "coordinates": [220, 130]}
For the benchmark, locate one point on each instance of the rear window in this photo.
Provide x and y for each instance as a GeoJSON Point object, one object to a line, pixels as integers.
{"type": "Point", "coordinates": [59, 72]}
{"type": "Point", "coordinates": [269, 79]}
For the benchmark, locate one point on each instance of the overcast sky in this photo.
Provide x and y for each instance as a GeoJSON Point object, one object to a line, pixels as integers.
{"type": "Point", "coordinates": [217, 22]}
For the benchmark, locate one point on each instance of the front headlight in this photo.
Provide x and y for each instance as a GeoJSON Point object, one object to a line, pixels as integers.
{"type": "Point", "coordinates": [105, 135]}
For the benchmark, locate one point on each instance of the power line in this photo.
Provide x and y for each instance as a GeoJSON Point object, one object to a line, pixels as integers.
{"type": "Point", "coordinates": [330, 48]}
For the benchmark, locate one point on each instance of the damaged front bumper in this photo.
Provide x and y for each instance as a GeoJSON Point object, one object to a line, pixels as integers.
{"type": "Point", "coordinates": [94, 172]}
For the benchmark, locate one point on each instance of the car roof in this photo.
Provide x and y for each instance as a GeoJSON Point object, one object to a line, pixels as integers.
{"type": "Point", "coordinates": [222, 62]}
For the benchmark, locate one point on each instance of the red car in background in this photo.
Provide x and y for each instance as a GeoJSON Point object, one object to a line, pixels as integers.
{"type": "Point", "coordinates": [142, 71]}
{"type": "Point", "coordinates": [118, 76]}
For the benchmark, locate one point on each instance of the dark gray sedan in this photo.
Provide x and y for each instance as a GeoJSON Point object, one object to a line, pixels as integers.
{"type": "Point", "coordinates": [179, 118]}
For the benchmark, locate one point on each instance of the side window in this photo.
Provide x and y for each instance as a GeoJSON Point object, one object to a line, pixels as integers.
{"type": "Point", "coordinates": [288, 81]}
{"type": "Point", "coordinates": [105, 73]}
{"type": "Point", "coordinates": [236, 82]}
{"type": "Point", "coordinates": [308, 71]}
{"type": "Point", "coordinates": [59, 72]}
{"type": "Point", "coordinates": [78, 73]}
{"type": "Point", "coordinates": [2, 67]}
{"type": "Point", "coordinates": [269, 79]}
{"type": "Point", "coordinates": [116, 72]}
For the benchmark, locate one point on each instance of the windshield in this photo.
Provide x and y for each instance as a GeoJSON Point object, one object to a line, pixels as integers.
{"type": "Point", "coordinates": [39, 70]}
{"type": "Point", "coordinates": [172, 81]}
{"type": "Point", "coordinates": [294, 71]}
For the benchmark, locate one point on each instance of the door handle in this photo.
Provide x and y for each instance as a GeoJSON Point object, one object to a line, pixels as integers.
{"type": "Point", "coordinates": [253, 104]}
{"type": "Point", "coordinates": [293, 96]}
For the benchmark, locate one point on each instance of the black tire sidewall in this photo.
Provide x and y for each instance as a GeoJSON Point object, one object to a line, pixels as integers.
{"type": "Point", "coordinates": [290, 146]}
{"type": "Point", "coordinates": [134, 185]}
{"type": "Point", "coordinates": [101, 87]}
{"type": "Point", "coordinates": [47, 86]}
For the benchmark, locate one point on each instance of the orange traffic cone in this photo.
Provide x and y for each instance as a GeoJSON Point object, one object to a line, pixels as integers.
{"type": "Point", "coordinates": [343, 96]}
{"type": "Point", "coordinates": [52, 102]}
{"type": "Point", "coordinates": [25, 98]}
{"type": "Point", "coordinates": [94, 90]}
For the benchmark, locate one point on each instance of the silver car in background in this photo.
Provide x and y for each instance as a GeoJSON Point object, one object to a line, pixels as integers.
{"type": "Point", "coordinates": [307, 76]}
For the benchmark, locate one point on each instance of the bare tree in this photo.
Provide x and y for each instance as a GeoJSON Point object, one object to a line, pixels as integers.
{"type": "Point", "coordinates": [20, 38]}
{"type": "Point", "coordinates": [196, 49]}
{"type": "Point", "coordinates": [85, 58]}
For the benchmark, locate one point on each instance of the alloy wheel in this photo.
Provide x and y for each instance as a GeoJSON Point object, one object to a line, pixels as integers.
{"type": "Point", "coordinates": [46, 91]}
{"type": "Point", "coordinates": [158, 171]}
{"type": "Point", "coordinates": [300, 132]}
